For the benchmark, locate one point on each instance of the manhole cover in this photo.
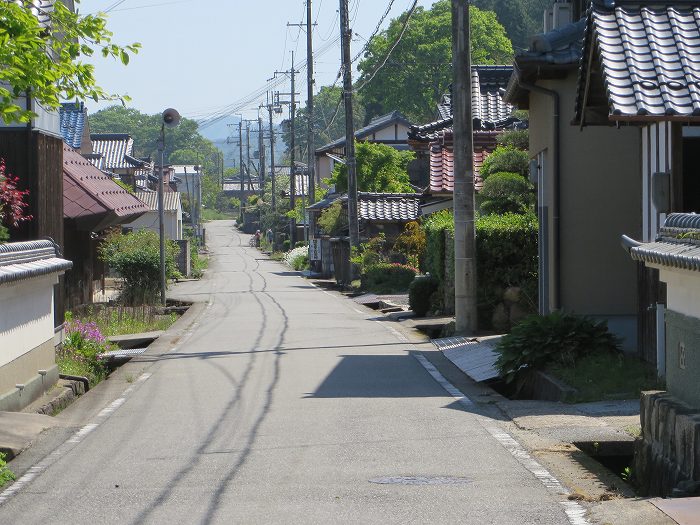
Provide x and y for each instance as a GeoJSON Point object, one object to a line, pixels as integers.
{"type": "Point", "coordinates": [420, 480]}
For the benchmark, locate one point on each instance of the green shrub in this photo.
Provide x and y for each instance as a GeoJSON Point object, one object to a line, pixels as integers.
{"type": "Point", "coordinates": [420, 293]}
{"type": "Point", "coordinates": [506, 159]}
{"type": "Point", "coordinates": [333, 220]}
{"type": "Point", "coordinates": [136, 257]}
{"type": "Point", "coordinates": [388, 277]}
{"type": "Point", "coordinates": [4, 234]}
{"type": "Point", "coordinates": [371, 253]}
{"type": "Point", "coordinates": [554, 339]}
{"type": "Point", "coordinates": [505, 192]}
{"type": "Point", "coordinates": [516, 138]}
{"type": "Point", "coordinates": [286, 245]}
{"type": "Point", "coordinates": [299, 244]}
{"type": "Point", "coordinates": [506, 255]}
{"type": "Point", "coordinates": [411, 244]}
{"type": "Point", "coordinates": [434, 227]}
{"type": "Point", "coordinates": [6, 475]}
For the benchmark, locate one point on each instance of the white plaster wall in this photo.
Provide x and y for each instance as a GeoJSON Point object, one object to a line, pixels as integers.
{"type": "Point", "coordinates": [26, 316]}
{"type": "Point", "coordinates": [392, 133]}
{"type": "Point", "coordinates": [683, 290]}
{"type": "Point", "coordinates": [149, 221]}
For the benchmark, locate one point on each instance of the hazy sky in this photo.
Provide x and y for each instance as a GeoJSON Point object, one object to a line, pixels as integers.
{"type": "Point", "coordinates": [204, 57]}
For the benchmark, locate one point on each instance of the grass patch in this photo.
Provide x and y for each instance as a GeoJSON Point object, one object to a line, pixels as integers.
{"type": "Point", "coordinates": [199, 262]}
{"type": "Point", "coordinates": [210, 214]}
{"type": "Point", "coordinates": [277, 256]}
{"type": "Point", "coordinates": [602, 376]}
{"type": "Point", "coordinates": [122, 320]}
{"type": "Point", "coordinates": [6, 475]}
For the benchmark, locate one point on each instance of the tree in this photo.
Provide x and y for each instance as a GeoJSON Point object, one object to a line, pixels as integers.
{"type": "Point", "coordinates": [506, 193]}
{"type": "Point", "coordinates": [12, 203]}
{"type": "Point", "coordinates": [380, 168]}
{"type": "Point", "coordinates": [419, 72]}
{"type": "Point", "coordinates": [506, 159]}
{"type": "Point", "coordinates": [40, 55]}
{"type": "Point", "coordinates": [185, 139]}
{"type": "Point", "coordinates": [521, 18]}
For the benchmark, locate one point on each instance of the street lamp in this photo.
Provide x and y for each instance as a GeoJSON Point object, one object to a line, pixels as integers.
{"type": "Point", "coordinates": [171, 118]}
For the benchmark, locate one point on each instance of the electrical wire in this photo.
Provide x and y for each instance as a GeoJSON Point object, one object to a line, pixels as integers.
{"type": "Point", "coordinates": [391, 49]}
{"type": "Point", "coordinates": [374, 33]}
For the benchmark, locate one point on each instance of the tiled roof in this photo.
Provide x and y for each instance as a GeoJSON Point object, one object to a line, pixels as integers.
{"type": "Point", "coordinates": [442, 160]}
{"type": "Point", "coordinates": [377, 124]}
{"type": "Point", "coordinates": [394, 207]}
{"type": "Point", "coordinates": [171, 200]}
{"type": "Point", "coordinates": [116, 150]}
{"type": "Point", "coordinates": [648, 55]}
{"type": "Point", "coordinates": [24, 260]}
{"type": "Point", "coordinates": [93, 199]}
{"type": "Point", "coordinates": [678, 245]}
{"type": "Point", "coordinates": [72, 117]}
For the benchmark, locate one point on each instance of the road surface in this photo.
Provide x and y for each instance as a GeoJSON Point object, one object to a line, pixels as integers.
{"type": "Point", "coordinates": [286, 404]}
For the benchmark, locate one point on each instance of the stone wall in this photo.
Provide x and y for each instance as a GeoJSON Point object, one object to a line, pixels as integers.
{"type": "Point", "coordinates": [667, 455]}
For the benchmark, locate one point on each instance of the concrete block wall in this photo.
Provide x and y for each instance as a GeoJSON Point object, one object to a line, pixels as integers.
{"type": "Point", "coordinates": [668, 451]}
{"type": "Point", "coordinates": [184, 263]}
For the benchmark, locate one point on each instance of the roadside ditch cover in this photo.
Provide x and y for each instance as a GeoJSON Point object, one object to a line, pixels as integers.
{"type": "Point", "coordinates": [420, 480]}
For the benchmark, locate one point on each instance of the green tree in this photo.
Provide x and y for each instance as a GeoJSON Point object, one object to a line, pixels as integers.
{"type": "Point", "coordinates": [506, 193]}
{"type": "Point", "coordinates": [506, 159]}
{"type": "Point", "coordinates": [419, 70]}
{"type": "Point", "coordinates": [42, 57]}
{"type": "Point", "coordinates": [380, 168]}
{"type": "Point", "coordinates": [521, 18]}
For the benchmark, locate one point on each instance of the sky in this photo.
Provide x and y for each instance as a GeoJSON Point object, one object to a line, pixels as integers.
{"type": "Point", "coordinates": [207, 58]}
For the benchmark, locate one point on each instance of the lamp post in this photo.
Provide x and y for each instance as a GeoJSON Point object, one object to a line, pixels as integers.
{"type": "Point", "coordinates": [171, 118]}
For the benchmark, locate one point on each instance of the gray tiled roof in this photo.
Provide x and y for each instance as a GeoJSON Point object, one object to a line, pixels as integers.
{"type": "Point", "coordinates": [116, 150]}
{"type": "Point", "coordinates": [678, 245]}
{"type": "Point", "coordinates": [72, 117]}
{"type": "Point", "coordinates": [24, 260]}
{"type": "Point", "coordinates": [376, 124]}
{"type": "Point", "coordinates": [395, 207]}
{"type": "Point", "coordinates": [171, 200]}
{"type": "Point", "coordinates": [649, 56]}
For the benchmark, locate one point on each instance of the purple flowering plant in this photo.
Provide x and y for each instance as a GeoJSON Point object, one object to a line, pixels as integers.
{"type": "Point", "coordinates": [82, 348]}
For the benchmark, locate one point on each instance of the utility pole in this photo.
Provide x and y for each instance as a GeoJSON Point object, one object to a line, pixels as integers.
{"type": "Point", "coordinates": [350, 163]}
{"type": "Point", "coordinates": [247, 151]}
{"type": "Point", "coordinates": [261, 153]}
{"type": "Point", "coordinates": [292, 147]}
{"type": "Point", "coordinates": [292, 167]}
{"type": "Point", "coordinates": [465, 242]}
{"type": "Point", "coordinates": [272, 158]}
{"type": "Point", "coordinates": [240, 164]}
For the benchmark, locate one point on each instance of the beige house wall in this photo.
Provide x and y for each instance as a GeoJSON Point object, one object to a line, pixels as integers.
{"type": "Point", "coordinates": [601, 199]}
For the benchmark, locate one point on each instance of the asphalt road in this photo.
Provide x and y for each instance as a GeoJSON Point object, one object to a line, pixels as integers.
{"type": "Point", "coordinates": [286, 404]}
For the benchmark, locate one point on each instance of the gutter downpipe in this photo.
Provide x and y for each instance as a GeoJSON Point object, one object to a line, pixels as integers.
{"type": "Point", "coordinates": [556, 194]}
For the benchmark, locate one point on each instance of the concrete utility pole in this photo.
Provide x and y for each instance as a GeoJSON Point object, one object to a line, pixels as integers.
{"type": "Point", "coordinates": [261, 156]}
{"type": "Point", "coordinates": [350, 163]}
{"type": "Point", "coordinates": [292, 167]}
{"type": "Point", "coordinates": [292, 146]}
{"type": "Point", "coordinates": [240, 164]}
{"type": "Point", "coordinates": [465, 242]}
{"type": "Point", "coordinates": [272, 158]}
{"type": "Point", "coordinates": [310, 159]}
{"type": "Point", "coordinates": [247, 152]}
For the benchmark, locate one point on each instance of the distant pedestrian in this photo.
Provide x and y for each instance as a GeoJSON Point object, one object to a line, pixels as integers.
{"type": "Point", "coordinates": [270, 236]}
{"type": "Point", "coordinates": [258, 235]}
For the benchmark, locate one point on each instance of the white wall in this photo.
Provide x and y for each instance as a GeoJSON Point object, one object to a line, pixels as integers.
{"type": "Point", "coordinates": [26, 316]}
{"type": "Point", "coordinates": [149, 221]}
{"type": "Point", "coordinates": [683, 290]}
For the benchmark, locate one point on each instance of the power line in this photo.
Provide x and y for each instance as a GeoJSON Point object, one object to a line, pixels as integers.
{"type": "Point", "coordinates": [391, 49]}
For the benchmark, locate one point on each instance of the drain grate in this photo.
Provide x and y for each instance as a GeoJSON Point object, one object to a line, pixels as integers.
{"type": "Point", "coordinates": [420, 480]}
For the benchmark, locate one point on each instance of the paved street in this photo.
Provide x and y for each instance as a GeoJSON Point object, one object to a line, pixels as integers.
{"type": "Point", "coordinates": [283, 406]}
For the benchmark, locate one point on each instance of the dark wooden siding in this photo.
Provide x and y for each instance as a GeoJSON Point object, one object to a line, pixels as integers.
{"type": "Point", "coordinates": [37, 159]}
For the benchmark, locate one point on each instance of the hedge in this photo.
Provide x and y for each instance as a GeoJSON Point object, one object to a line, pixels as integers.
{"type": "Point", "coordinates": [388, 277]}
